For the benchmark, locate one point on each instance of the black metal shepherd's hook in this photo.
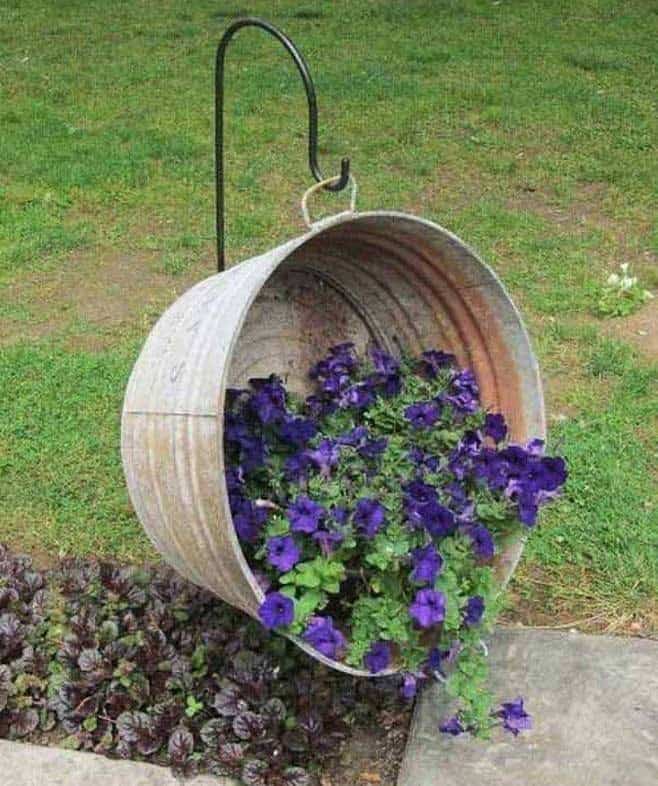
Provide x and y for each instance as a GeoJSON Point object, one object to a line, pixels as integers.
{"type": "Point", "coordinates": [302, 67]}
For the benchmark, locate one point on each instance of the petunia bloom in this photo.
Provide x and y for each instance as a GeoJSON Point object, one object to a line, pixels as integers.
{"type": "Point", "coordinates": [327, 539]}
{"type": "Point", "coordinates": [325, 456]}
{"type": "Point", "coordinates": [427, 563]}
{"type": "Point", "coordinates": [357, 396]}
{"type": "Point", "coordinates": [298, 431]}
{"type": "Point", "coordinates": [474, 611]}
{"type": "Point", "coordinates": [409, 685]}
{"type": "Point", "coordinates": [276, 611]}
{"type": "Point", "coordinates": [283, 553]}
{"type": "Point", "coordinates": [514, 716]}
{"type": "Point", "coordinates": [452, 726]}
{"type": "Point", "coordinates": [369, 516]}
{"type": "Point", "coordinates": [433, 360]}
{"type": "Point", "coordinates": [423, 415]}
{"type": "Point", "coordinates": [495, 427]}
{"type": "Point", "coordinates": [304, 515]}
{"type": "Point", "coordinates": [373, 448]}
{"type": "Point", "coordinates": [269, 401]}
{"type": "Point", "coordinates": [322, 636]}
{"type": "Point", "coordinates": [482, 541]}
{"type": "Point", "coordinates": [464, 392]}
{"type": "Point", "coordinates": [428, 608]}
{"type": "Point", "coordinates": [378, 657]}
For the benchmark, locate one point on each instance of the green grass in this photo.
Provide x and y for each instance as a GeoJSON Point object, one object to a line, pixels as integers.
{"type": "Point", "coordinates": [528, 128]}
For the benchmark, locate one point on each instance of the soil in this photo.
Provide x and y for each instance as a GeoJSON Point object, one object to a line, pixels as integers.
{"type": "Point", "coordinates": [94, 294]}
{"type": "Point", "coordinates": [372, 755]}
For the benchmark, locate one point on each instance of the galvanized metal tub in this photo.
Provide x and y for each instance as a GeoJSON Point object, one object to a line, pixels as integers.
{"type": "Point", "coordinates": [383, 276]}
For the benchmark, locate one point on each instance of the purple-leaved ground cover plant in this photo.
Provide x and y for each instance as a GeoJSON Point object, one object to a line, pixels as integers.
{"type": "Point", "coordinates": [139, 663]}
{"type": "Point", "coordinates": [373, 511]}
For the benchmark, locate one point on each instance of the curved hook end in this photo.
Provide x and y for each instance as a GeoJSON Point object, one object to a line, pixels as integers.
{"type": "Point", "coordinates": [344, 178]}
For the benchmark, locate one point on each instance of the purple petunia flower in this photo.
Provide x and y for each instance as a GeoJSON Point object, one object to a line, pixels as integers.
{"type": "Point", "coordinates": [328, 540]}
{"type": "Point", "coordinates": [535, 447]}
{"type": "Point", "coordinates": [354, 438]}
{"type": "Point", "coordinates": [378, 657]}
{"type": "Point", "coordinates": [386, 379]}
{"type": "Point", "coordinates": [333, 372]}
{"type": "Point", "coordinates": [409, 685]}
{"type": "Point", "coordinates": [427, 564]}
{"type": "Point", "coordinates": [528, 508]}
{"type": "Point", "coordinates": [465, 394]}
{"type": "Point", "coordinates": [340, 514]}
{"type": "Point", "coordinates": [298, 431]}
{"type": "Point", "coordinates": [474, 611]}
{"type": "Point", "coordinates": [482, 541]}
{"type": "Point", "coordinates": [276, 611]}
{"type": "Point", "coordinates": [419, 493]}
{"type": "Point", "coordinates": [423, 415]}
{"type": "Point", "coordinates": [369, 516]}
{"type": "Point", "coordinates": [383, 362]}
{"type": "Point", "coordinates": [296, 466]}
{"type": "Point", "coordinates": [304, 515]}
{"type": "Point", "coordinates": [322, 636]}
{"type": "Point", "coordinates": [373, 448]}
{"type": "Point", "coordinates": [248, 519]}
{"type": "Point", "coordinates": [283, 553]}
{"type": "Point", "coordinates": [469, 445]}
{"type": "Point", "coordinates": [514, 716]}
{"type": "Point", "coordinates": [357, 396]}
{"type": "Point", "coordinates": [435, 359]}
{"type": "Point", "coordinates": [452, 726]}
{"type": "Point", "coordinates": [252, 454]}
{"type": "Point", "coordinates": [436, 657]}
{"type": "Point", "coordinates": [428, 608]}
{"type": "Point", "coordinates": [236, 429]}
{"type": "Point", "coordinates": [325, 456]}
{"type": "Point", "coordinates": [268, 403]}
{"type": "Point", "coordinates": [438, 520]}
{"type": "Point", "coordinates": [495, 427]}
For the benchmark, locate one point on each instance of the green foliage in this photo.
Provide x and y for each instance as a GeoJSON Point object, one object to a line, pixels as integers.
{"type": "Point", "coordinates": [376, 618]}
{"type": "Point", "coordinates": [320, 574]}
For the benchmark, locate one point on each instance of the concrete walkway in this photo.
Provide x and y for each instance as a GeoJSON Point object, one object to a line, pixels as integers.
{"type": "Point", "coordinates": [594, 702]}
{"type": "Point", "coordinates": [34, 765]}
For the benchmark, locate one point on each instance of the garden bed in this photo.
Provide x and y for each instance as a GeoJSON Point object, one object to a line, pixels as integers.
{"type": "Point", "coordinates": [139, 664]}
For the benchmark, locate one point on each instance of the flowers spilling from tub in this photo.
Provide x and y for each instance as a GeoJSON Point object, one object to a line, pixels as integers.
{"type": "Point", "coordinates": [372, 513]}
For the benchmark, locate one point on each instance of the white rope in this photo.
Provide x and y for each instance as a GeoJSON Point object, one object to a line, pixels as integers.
{"type": "Point", "coordinates": [316, 187]}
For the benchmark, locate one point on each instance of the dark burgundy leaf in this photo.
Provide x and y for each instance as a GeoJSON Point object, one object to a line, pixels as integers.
{"type": "Point", "coordinates": [5, 685]}
{"type": "Point", "coordinates": [24, 722]}
{"type": "Point", "coordinates": [248, 725]}
{"type": "Point", "coordinates": [180, 745]}
{"type": "Point", "coordinates": [254, 773]}
{"type": "Point", "coordinates": [231, 753]}
{"type": "Point", "coordinates": [296, 741]}
{"type": "Point", "coordinates": [11, 635]}
{"type": "Point", "coordinates": [228, 702]}
{"type": "Point", "coordinates": [213, 732]}
{"type": "Point", "coordinates": [297, 776]}
{"type": "Point", "coordinates": [311, 724]}
{"type": "Point", "coordinates": [90, 660]}
{"type": "Point", "coordinates": [274, 709]}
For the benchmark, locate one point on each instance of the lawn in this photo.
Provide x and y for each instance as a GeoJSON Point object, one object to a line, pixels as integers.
{"type": "Point", "coordinates": [528, 128]}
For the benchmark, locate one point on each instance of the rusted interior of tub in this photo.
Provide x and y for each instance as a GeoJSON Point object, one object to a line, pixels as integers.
{"type": "Point", "coordinates": [402, 284]}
